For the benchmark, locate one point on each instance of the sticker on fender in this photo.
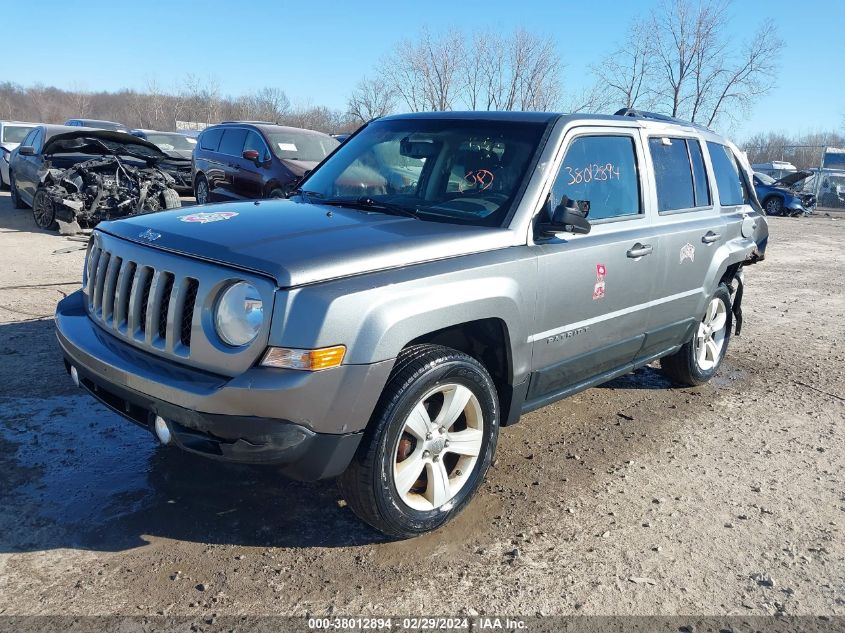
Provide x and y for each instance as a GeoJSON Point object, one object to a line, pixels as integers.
{"type": "Point", "coordinates": [203, 217]}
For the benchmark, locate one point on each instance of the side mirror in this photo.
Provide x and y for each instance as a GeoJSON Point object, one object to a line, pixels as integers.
{"type": "Point", "coordinates": [568, 217]}
{"type": "Point", "coordinates": [251, 154]}
{"type": "Point", "coordinates": [26, 150]}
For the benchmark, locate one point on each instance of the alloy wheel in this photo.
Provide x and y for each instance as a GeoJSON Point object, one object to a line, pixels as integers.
{"type": "Point", "coordinates": [439, 447]}
{"type": "Point", "coordinates": [710, 338]}
{"type": "Point", "coordinates": [202, 192]}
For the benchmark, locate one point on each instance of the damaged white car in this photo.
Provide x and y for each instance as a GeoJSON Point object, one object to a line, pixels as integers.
{"type": "Point", "coordinates": [82, 177]}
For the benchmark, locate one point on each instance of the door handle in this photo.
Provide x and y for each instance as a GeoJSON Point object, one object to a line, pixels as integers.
{"type": "Point", "coordinates": [639, 250]}
{"type": "Point", "coordinates": [711, 237]}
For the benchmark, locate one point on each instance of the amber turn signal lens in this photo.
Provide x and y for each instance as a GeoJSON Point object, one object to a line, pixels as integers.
{"type": "Point", "coordinates": [304, 359]}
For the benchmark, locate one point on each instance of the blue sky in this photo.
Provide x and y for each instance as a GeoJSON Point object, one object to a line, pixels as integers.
{"type": "Point", "coordinates": [317, 51]}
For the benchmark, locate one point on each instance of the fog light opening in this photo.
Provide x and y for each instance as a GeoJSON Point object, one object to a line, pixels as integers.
{"type": "Point", "coordinates": [162, 430]}
{"type": "Point", "coordinates": [74, 375]}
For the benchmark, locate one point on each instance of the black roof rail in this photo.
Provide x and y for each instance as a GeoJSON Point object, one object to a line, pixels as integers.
{"type": "Point", "coordinates": [655, 116]}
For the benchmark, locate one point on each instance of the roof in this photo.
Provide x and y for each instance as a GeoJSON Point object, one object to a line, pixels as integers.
{"type": "Point", "coordinates": [27, 123]}
{"type": "Point", "coordinates": [148, 131]}
{"type": "Point", "coordinates": [96, 121]}
{"type": "Point", "coordinates": [479, 115]}
{"type": "Point", "coordinates": [267, 127]}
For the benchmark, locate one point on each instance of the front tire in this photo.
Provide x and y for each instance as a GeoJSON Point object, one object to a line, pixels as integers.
{"type": "Point", "coordinates": [698, 360]}
{"type": "Point", "coordinates": [43, 210]}
{"type": "Point", "coordinates": [773, 206]}
{"type": "Point", "coordinates": [428, 445]}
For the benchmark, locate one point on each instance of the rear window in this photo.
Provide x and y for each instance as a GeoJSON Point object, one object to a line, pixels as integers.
{"type": "Point", "coordinates": [15, 133]}
{"type": "Point", "coordinates": [679, 174]}
{"type": "Point", "coordinates": [233, 141]}
{"type": "Point", "coordinates": [729, 179]}
{"type": "Point", "coordinates": [210, 139]}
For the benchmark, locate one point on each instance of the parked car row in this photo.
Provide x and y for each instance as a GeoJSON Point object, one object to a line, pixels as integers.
{"type": "Point", "coordinates": [88, 170]}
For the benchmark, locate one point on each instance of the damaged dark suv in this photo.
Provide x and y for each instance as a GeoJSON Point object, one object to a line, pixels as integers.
{"type": "Point", "coordinates": [82, 176]}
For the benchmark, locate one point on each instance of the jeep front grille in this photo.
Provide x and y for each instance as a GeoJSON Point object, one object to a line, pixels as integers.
{"type": "Point", "coordinates": [149, 306]}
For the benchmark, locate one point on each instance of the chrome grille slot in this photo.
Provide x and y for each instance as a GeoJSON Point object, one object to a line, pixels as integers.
{"type": "Point", "coordinates": [109, 288]}
{"type": "Point", "coordinates": [121, 296]}
{"type": "Point", "coordinates": [145, 287]}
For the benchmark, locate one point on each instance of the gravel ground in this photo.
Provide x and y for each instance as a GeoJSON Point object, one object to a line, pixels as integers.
{"type": "Point", "coordinates": [628, 499]}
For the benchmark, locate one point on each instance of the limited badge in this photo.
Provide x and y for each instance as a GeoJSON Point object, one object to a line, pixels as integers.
{"type": "Point", "coordinates": [203, 217]}
{"type": "Point", "coordinates": [687, 252]}
{"type": "Point", "coordinates": [598, 289]}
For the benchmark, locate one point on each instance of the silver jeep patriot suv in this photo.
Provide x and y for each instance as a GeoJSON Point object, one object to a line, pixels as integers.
{"type": "Point", "coordinates": [434, 278]}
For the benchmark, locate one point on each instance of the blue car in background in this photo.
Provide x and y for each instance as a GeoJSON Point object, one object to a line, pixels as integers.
{"type": "Point", "coordinates": [784, 196]}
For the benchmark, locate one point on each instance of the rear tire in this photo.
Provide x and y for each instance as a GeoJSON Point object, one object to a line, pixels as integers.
{"type": "Point", "coordinates": [699, 359]}
{"type": "Point", "coordinates": [410, 476]}
{"type": "Point", "coordinates": [201, 192]}
{"type": "Point", "coordinates": [16, 196]}
{"type": "Point", "coordinates": [277, 193]}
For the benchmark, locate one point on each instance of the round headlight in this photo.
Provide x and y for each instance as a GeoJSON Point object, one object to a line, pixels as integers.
{"type": "Point", "coordinates": [239, 314]}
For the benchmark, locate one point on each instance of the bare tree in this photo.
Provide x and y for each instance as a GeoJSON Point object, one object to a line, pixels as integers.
{"type": "Point", "coordinates": [699, 73]}
{"type": "Point", "coordinates": [371, 98]}
{"type": "Point", "coordinates": [626, 76]}
{"type": "Point", "coordinates": [425, 75]}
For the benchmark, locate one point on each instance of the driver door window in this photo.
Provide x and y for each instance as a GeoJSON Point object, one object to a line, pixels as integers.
{"type": "Point", "coordinates": [600, 173]}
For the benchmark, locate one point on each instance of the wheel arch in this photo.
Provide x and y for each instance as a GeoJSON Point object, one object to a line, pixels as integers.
{"type": "Point", "coordinates": [486, 340]}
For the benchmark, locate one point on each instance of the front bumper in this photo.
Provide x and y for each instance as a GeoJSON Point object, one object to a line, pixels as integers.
{"type": "Point", "coordinates": [308, 422]}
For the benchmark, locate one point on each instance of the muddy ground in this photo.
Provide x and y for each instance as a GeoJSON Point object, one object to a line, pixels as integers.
{"type": "Point", "coordinates": [631, 498]}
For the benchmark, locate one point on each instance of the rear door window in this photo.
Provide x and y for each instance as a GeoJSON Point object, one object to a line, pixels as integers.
{"type": "Point", "coordinates": [729, 180]}
{"type": "Point", "coordinates": [600, 174]}
{"type": "Point", "coordinates": [210, 139]}
{"type": "Point", "coordinates": [232, 142]}
{"type": "Point", "coordinates": [679, 174]}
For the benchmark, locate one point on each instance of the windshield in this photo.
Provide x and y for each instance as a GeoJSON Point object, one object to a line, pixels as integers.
{"type": "Point", "coordinates": [764, 178]}
{"type": "Point", "coordinates": [172, 141]}
{"type": "Point", "coordinates": [298, 146]}
{"type": "Point", "coordinates": [447, 170]}
{"type": "Point", "coordinates": [15, 133]}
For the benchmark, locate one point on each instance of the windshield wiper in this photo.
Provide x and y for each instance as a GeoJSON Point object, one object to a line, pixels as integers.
{"type": "Point", "coordinates": [306, 194]}
{"type": "Point", "coordinates": [368, 204]}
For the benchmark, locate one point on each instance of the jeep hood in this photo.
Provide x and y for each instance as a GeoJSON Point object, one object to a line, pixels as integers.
{"type": "Point", "coordinates": [299, 243]}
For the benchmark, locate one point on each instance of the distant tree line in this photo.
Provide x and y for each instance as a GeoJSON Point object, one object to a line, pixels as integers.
{"type": "Point", "coordinates": [194, 99]}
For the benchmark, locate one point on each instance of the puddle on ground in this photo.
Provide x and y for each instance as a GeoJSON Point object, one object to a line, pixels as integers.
{"type": "Point", "coordinates": [79, 475]}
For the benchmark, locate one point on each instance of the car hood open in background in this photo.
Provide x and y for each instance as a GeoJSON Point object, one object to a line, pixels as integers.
{"type": "Point", "coordinates": [790, 180]}
{"type": "Point", "coordinates": [300, 243]}
{"type": "Point", "coordinates": [68, 142]}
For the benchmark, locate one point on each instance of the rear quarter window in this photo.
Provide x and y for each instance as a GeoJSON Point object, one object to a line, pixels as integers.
{"type": "Point", "coordinates": [729, 180]}
{"type": "Point", "coordinates": [210, 139]}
